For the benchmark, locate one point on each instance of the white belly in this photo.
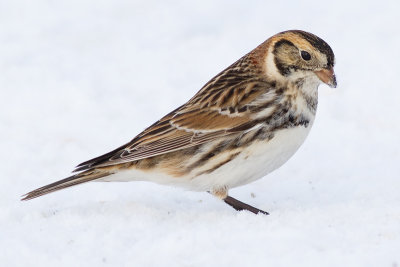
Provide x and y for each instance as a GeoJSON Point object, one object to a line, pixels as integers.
{"type": "Point", "coordinates": [256, 161]}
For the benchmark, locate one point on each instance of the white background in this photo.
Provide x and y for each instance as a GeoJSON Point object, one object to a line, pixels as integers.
{"type": "Point", "coordinates": [79, 78]}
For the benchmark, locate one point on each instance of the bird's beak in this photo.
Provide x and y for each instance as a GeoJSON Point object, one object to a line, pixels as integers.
{"type": "Point", "coordinates": [327, 76]}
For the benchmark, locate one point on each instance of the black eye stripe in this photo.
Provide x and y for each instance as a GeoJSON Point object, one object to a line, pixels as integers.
{"type": "Point", "coordinates": [305, 55]}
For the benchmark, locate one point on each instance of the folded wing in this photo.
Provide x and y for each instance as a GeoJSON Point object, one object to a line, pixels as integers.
{"type": "Point", "coordinates": [222, 107]}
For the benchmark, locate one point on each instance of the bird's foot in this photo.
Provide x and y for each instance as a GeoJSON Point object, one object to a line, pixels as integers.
{"type": "Point", "coordinates": [238, 205]}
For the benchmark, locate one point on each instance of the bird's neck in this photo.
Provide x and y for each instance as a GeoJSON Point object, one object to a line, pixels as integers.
{"type": "Point", "coordinates": [306, 92]}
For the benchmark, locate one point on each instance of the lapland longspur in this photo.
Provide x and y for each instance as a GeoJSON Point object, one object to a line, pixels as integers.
{"type": "Point", "coordinates": [244, 123]}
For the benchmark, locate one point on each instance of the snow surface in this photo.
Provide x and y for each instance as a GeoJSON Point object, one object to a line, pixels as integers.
{"type": "Point", "coordinates": [79, 78]}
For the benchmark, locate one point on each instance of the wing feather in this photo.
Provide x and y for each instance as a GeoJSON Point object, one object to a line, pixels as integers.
{"type": "Point", "coordinates": [220, 108]}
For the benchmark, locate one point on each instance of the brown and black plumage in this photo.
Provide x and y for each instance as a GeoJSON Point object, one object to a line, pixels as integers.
{"type": "Point", "coordinates": [244, 123]}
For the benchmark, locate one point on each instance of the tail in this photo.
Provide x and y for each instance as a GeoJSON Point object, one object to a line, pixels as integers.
{"type": "Point", "coordinates": [76, 179]}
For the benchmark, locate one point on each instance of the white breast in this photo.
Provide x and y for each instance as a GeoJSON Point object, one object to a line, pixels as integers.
{"type": "Point", "coordinates": [254, 162]}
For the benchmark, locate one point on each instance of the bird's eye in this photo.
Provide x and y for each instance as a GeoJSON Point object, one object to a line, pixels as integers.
{"type": "Point", "coordinates": [305, 55]}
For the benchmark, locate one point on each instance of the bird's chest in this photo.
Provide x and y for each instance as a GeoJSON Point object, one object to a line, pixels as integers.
{"type": "Point", "coordinates": [284, 136]}
{"type": "Point", "coordinates": [257, 159]}
{"type": "Point", "coordinates": [263, 157]}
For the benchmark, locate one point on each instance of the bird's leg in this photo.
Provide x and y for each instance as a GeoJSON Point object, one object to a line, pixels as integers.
{"type": "Point", "coordinates": [222, 193]}
{"type": "Point", "coordinates": [239, 205]}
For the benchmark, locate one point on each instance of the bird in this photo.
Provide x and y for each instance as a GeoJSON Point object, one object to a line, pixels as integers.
{"type": "Point", "coordinates": [243, 124]}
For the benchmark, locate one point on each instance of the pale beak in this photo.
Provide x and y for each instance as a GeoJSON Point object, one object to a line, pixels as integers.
{"type": "Point", "coordinates": [327, 76]}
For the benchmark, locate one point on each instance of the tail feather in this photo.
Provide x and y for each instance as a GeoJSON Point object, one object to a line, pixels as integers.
{"type": "Point", "coordinates": [76, 179]}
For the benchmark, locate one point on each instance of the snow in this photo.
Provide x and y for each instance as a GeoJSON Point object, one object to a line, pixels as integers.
{"type": "Point", "coordinates": [79, 78]}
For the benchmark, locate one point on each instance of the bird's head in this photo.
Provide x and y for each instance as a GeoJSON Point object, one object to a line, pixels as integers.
{"type": "Point", "coordinates": [297, 55]}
